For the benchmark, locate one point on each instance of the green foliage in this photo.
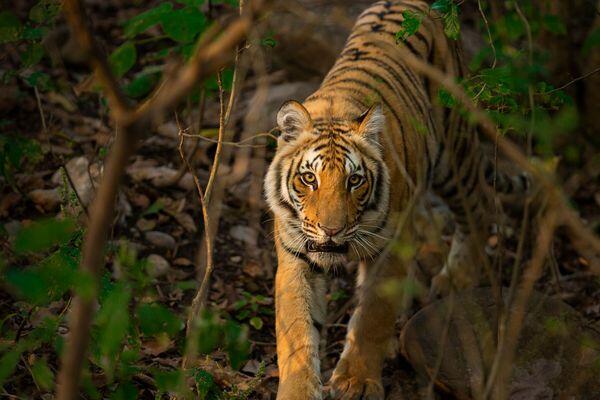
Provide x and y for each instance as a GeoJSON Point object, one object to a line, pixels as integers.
{"type": "Point", "coordinates": [16, 153]}
{"type": "Point", "coordinates": [27, 37]}
{"type": "Point", "coordinates": [43, 234]}
{"type": "Point", "coordinates": [448, 9]}
{"type": "Point", "coordinates": [10, 27]}
{"type": "Point", "coordinates": [155, 319]}
{"type": "Point", "coordinates": [410, 25]}
{"type": "Point", "coordinates": [252, 308]}
{"type": "Point", "coordinates": [215, 332]}
{"type": "Point", "coordinates": [123, 59]}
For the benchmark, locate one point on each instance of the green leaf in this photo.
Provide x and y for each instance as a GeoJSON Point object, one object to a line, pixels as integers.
{"type": "Point", "coordinates": [42, 374]}
{"type": "Point", "coordinates": [554, 24]}
{"type": "Point", "coordinates": [146, 20]}
{"type": "Point", "coordinates": [49, 280]}
{"type": "Point", "coordinates": [256, 323]}
{"type": "Point", "coordinates": [8, 363]}
{"type": "Point", "coordinates": [112, 323]}
{"type": "Point", "coordinates": [44, 11]}
{"type": "Point", "coordinates": [43, 234]}
{"type": "Point", "coordinates": [156, 318]}
{"type": "Point", "coordinates": [209, 332]}
{"type": "Point", "coordinates": [205, 384]}
{"type": "Point", "coordinates": [451, 23]}
{"type": "Point", "coordinates": [154, 208]}
{"type": "Point", "coordinates": [446, 99]}
{"type": "Point", "coordinates": [31, 33]}
{"type": "Point", "coordinates": [143, 82]}
{"type": "Point", "coordinates": [184, 25]}
{"type": "Point", "coordinates": [442, 6]}
{"type": "Point", "coordinates": [33, 54]}
{"type": "Point", "coordinates": [410, 25]}
{"type": "Point", "coordinates": [591, 42]}
{"type": "Point", "coordinates": [40, 80]}
{"type": "Point", "coordinates": [237, 345]}
{"type": "Point", "coordinates": [10, 27]}
{"type": "Point", "coordinates": [167, 381]}
{"type": "Point", "coordinates": [123, 58]}
{"type": "Point", "coordinates": [125, 391]}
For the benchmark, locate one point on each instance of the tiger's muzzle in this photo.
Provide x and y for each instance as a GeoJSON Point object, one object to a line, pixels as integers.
{"type": "Point", "coordinates": [327, 247]}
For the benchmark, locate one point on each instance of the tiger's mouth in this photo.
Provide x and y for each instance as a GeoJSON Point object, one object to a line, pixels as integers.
{"type": "Point", "coordinates": [327, 247]}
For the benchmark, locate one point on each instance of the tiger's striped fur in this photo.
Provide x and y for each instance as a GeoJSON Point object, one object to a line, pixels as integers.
{"type": "Point", "coordinates": [349, 160]}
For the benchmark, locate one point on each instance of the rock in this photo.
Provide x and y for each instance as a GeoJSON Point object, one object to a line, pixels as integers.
{"type": "Point", "coordinates": [144, 224]}
{"type": "Point", "coordinates": [149, 170]}
{"type": "Point", "coordinates": [160, 239]}
{"type": "Point", "coordinates": [157, 266]}
{"type": "Point", "coordinates": [13, 227]}
{"type": "Point", "coordinates": [7, 202]}
{"type": "Point", "coordinates": [81, 174]}
{"type": "Point", "coordinates": [557, 354]}
{"type": "Point", "coordinates": [244, 234]}
{"type": "Point", "coordinates": [182, 261]}
{"type": "Point", "coordinates": [186, 221]}
{"type": "Point", "coordinates": [235, 259]}
{"type": "Point", "coordinates": [253, 269]}
{"type": "Point", "coordinates": [48, 199]}
{"type": "Point", "coordinates": [187, 182]}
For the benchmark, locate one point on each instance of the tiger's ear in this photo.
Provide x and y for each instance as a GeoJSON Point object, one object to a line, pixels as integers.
{"type": "Point", "coordinates": [371, 123]}
{"type": "Point", "coordinates": [293, 119]}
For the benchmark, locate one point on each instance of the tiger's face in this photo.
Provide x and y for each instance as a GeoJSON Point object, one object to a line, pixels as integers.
{"type": "Point", "coordinates": [329, 186]}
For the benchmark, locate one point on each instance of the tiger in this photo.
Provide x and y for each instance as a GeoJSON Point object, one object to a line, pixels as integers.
{"type": "Point", "coordinates": [349, 161]}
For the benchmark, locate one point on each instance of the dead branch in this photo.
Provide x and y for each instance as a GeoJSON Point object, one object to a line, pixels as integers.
{"type": "Point", "coordinates": [133, 123]}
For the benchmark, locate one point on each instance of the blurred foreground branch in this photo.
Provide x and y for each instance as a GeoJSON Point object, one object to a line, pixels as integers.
{"type": "Point", "coordinates": [215, 49]}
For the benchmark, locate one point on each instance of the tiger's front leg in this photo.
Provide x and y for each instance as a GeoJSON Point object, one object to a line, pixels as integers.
{"type": "Point", "coordinates": [300, 311]}
{"type": "Point", "coordinates": [371, 334]}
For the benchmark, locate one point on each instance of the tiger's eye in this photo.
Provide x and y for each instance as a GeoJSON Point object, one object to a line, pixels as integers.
{"type": "Point", "coordinates": [355, 180]}
{"type": "Point", "coordinates": [309, 178]}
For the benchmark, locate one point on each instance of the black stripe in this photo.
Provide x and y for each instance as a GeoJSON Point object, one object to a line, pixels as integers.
{"type": "Point", "coordinates": [314, 267]}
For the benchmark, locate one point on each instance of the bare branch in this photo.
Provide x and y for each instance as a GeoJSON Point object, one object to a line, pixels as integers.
{"type": "Point", "coordinates": [78, 21]}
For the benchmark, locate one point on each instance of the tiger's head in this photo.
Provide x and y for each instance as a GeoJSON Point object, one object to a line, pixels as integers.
{"type": "Point", "coordinates": [328, 185]}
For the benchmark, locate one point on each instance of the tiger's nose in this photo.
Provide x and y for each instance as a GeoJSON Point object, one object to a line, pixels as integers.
{"type": "Point", "coordinates": [330, 231]}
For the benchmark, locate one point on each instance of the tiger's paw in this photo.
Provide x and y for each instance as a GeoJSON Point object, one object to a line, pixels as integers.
{"type": "Point", "coordinates": [351, 381]}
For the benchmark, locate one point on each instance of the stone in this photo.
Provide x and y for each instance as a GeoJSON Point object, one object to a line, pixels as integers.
{"type": "Point", "coordinates": [48, 199]}
{"type": "Point", "coordinates": [244, 234]}
{"type": "Point", "coordinates": [160, 239]}
{"type": "Point", "coordinates": [557, 355]}
{"type": "Point", "coordinates": [157, 266]}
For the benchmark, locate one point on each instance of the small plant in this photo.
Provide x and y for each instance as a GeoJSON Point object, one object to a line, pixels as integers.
{"type": "Point", "coordinates": [252, 308]}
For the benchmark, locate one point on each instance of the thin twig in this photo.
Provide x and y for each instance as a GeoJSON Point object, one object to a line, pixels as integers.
{"type": "Point", "coordinates": [530, 87]}
{"type": "Point", "coordinates": [595, 71]}
{"type": "Point", "coordinates": [198, 301]}
{"type": "Point", "coordinates": [40, 109]}
{"type": "Point", "coordinates": [217, 158]}
{"type": "Point", "coordinates": [240, 144]}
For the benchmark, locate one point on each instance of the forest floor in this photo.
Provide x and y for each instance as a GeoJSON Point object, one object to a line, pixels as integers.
{"type": "Point", "coordinates": [160, 216]}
